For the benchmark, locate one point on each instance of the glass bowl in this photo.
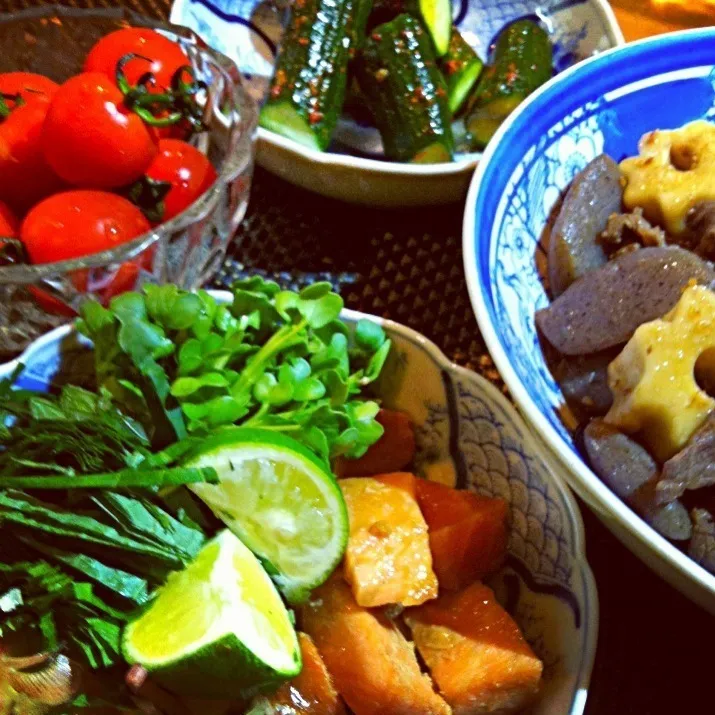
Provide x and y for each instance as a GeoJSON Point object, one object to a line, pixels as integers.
{"type": "Point", "coordinates": [188, 249]}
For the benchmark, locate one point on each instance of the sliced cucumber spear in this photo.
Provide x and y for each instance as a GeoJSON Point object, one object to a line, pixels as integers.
{"type": "Point", "coordinates": [308, 87]}
{"type": "Point", "coordinates": [461, 67]}
{"type": "Point", "coordinates": [436, 15]}
{"type": "Point", "coordinates": [522, 62]}
{"type": "Point", "coordinates": [406, 92]}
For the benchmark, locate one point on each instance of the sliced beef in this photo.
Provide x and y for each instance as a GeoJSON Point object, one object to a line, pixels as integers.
{"type": "Point", "coordinates": [627, 468]}
{"type": "Point", "coordinates": [603, 308]}
{"type": "Point", "coordinates": [593, 196]}
{"type": "Point", "coordinates": [700, 223]}
{"type": "Point", "coordinates": [627, 232]}
{"type": "Point", "coordinates": [693, 467]}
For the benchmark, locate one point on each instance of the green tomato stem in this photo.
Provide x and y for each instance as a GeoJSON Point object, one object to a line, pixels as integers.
{"type": "Point", "coordinates": [145, 104]}
{"type": "Point", "coordinates": [5, 111]}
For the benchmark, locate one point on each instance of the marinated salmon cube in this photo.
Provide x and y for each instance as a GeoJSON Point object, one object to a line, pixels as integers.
{"type": "Point", "coordinates": [374, 667]}
{"type": "Point", "coordinates": [388, 558]}
{"type": "Point", "coordinates": [476, 653]}
{"type": "Point", "coordinates": [391, 453]}
{"type": "Point", "coordinates": [467, 533]}
{"type": "Point", "coordinates": [312, 691]}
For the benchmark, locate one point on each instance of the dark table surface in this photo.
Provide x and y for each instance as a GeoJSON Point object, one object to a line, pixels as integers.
{"type": "Point", "coordinates": [653, 650]}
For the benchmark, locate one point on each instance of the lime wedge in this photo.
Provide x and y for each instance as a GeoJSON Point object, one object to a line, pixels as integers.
{"type": "Point", "coordinates": [218, 628]}
{"type": "Point", "coordinates": [281, 501]}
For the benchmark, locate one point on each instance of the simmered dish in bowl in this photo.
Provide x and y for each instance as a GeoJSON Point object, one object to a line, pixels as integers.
{"type": "Point", "coordinates": [630, 331]}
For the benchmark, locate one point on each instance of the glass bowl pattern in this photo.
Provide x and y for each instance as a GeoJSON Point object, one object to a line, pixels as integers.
{"type": "Point", "coordinates": [186, 250]}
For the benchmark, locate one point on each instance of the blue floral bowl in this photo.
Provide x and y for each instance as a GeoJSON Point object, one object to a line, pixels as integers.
{"type": "Point", "coordinates": [604, 105]}
{"type": "Point", "coordinates": [469, 435]}
{"type": "Point", "coordinates": [354, 169]}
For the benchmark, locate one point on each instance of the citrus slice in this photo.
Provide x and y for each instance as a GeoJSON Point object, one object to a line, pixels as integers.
{"type": "Point", "coordinates": [218, 628]}
{"type": "Point", "coordinates": [281, 501]}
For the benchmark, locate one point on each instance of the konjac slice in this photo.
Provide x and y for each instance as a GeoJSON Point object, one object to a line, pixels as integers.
{"type": "Point", "coordinates": [593, 196]}
{"type": "Point", "coordinates": [312, 691]}
{"type": "Point", "coordinates": [627, 468]}
{"type": "Point", "coordinates": [603, 308]}
{"type": "Point", "coordinates": [702, 545]}
{"type": "Point", "coordinates": [388, 558]}
{"type": "Point", "coordinates": [373, 666]}
{"type": "Point", "coordinates": [467, 533]}
{"type": "Point", "coordinates": [475, 652]}
{"type": "Point", "coordinates": [691, 468]}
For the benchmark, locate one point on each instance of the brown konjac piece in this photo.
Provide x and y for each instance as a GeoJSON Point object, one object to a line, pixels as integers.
{"type": "Point", "coordinates": [584, 381]}
{"type": "Point", "coordinates": [630, 230]}
{"type": "Point", "coordinates": [700, 222]}
{"type": "Point", "coordinates": [669, 520]}
{"type": "Point", "coordinates": [627, 468]}
{"type": "Point", "coordinates": [604, 308]}
{"type": "Point", "coordinates": [702, 545]}
{"type": "Point", "coordinates": [617, 459]}
{"type": "Point", "coordinates": [693, 467]}
{"type": "Point", "coordinates": [593, 196]}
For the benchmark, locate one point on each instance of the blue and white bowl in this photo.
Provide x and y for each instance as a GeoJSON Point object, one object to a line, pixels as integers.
{"type": "Point", "coordinates": [249, 32]}
{"type": "Point", "coordinates": [604, 105]}
{"type": "Point", "coordinates": [467, 434]}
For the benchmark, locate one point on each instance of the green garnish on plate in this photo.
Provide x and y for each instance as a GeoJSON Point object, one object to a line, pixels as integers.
{"type": "Point", "coordinates": [101, 522]}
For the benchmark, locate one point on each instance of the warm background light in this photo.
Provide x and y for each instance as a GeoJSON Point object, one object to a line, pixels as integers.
{"type": "Point", "coordinates": [643, 18]}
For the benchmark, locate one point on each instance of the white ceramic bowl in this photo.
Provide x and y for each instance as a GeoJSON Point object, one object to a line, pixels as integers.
{"type": "Point", "coordinates": [604, 105]}
{"type": "Point", "coordinates": [467, 434]}
{"type": "Point", "coordinates": [249, 31]}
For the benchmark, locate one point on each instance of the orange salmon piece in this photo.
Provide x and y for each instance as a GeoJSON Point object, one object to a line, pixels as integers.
{"type": "Point", "coordinates": [475, 652]}
{"type": "Point", "coordinates": [467, 533]}
{"type": "Point", "coordinates": [312, 691]}
{"type": "Point", "coordinates": [388, 558]}
{"type": "Point", "coordinates": [373, 666]}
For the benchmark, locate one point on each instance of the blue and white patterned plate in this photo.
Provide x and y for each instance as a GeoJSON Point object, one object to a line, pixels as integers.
{"type": "Point", "coordinates": [249, 32]}
{"type": "Point", "coordinates": [469, 435]}
{"type": "Point", "coordinates": [604, 105]}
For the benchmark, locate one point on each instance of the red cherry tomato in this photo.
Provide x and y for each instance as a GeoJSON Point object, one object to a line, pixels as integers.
{"type": "Point", "coordinates": [165, 56]}
{"type": "Point", "coordinates": [73, 224]}
{"type": "Point", "coordinates": [79, 223]}
{"type": "Point", "coordinates": [8, 222]}
{"type": "Point", "coordinates": [188, 171]}
{"type": "Point", "coordinates": [90, 139]}
{"type": "Point", "coordinates": [28, 85]}
{"type": "Point", "coordinates": [25, 176]}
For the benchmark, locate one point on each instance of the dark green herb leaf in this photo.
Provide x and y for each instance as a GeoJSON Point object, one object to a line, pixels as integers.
{"type": "Point", "coordinates": [24, 511]}
{"type": "Point", "coordinates": [123, 479]}
{"type": "Point", "coordinates": [125, 584]}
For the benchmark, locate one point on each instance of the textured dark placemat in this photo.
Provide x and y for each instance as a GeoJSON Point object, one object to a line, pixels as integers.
{"type": "Point", "coordinates": [654, 646]}
{"type": "Point", "coordinates": [403, 265]}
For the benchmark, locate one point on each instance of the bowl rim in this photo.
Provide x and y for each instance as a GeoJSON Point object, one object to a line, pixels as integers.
{"type": "Point", "coordinates": [591, 613]}
{"type": "Point", "coordinates": [380, 167]}
{"type": "Point", "coordinates": [241, 156]}
{"type": "Point", "coordinates": [575, 468]}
